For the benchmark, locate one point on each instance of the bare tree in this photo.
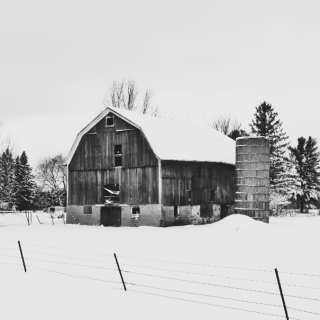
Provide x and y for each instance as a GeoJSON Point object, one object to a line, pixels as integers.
{"type": "Point", "coordinates": [221, 124]}
{"type": "Point", "coordinates": [125, 94]}
{"type": "Point", "coordinates": [132, 93]}
{"type": "Point", "coordinates": [122, 94]}
{"type": "Point", "coordinates": [52, 177]}
{"type": "Point", "coordinates": [228, 126]}
{"type": "Point", "coordinates": [148, 107]}
{"type": "Point", "coordinates": [5, 141]}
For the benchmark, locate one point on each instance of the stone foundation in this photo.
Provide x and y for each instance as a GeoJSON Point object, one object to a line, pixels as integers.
{"type": "Point", "coordinates": [154, 215]}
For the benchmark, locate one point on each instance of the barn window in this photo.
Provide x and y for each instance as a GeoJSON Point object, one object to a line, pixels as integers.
{"type": "Point", "coordinates": [109, 121]}
{"type": "Point", "coordinates": [176, 211]}
{"type": "Point", "coordinates": [118, 155]}
{"type": "Point", "coordinates": [189, 197]}
{"type": "Point", "coordinates": [87, 209]}
{"type": "Point", "coordinates": [111, 193]}
{"type": "Point", "coordinates": [213, 195]}
{"type": "Point", "coordinates": [135, 215]}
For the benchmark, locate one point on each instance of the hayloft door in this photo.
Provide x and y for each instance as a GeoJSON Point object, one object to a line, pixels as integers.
{"type": "Point", "coordinates": [111, 216]}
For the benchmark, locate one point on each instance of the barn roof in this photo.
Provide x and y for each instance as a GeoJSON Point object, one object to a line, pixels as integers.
{"type": "Point", "coordinates": [172, 140]}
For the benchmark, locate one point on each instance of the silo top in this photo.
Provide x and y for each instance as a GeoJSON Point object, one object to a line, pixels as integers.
{"type": "Point", "coordinates": [260, 141]}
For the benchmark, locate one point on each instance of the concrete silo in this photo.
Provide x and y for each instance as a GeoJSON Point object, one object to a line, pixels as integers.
{"type": "Point", "coordinates": [252, 177]}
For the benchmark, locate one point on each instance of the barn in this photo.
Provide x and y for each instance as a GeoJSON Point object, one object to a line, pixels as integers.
{"type": "Point", "coordinates": [130, 169]}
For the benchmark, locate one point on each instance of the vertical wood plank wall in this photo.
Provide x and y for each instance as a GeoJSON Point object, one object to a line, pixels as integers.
{"type": "Point", "coordinates": [92, 166]}
{"type": "Point", "coordinates": [200, 177]}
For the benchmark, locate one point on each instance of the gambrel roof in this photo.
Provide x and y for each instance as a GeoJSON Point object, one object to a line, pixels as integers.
{"type": "Point", "coordinates": [172, 140]}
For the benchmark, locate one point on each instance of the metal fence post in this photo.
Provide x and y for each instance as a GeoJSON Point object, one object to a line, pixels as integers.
{"type": "Point", "coordinates": [24, 265]}
{"type": "Point", "coordinates": [124, 285]}
{"type": "Point", "coordinates": [282, 297]}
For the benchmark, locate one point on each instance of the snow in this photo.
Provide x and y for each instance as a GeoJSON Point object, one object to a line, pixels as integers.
{"type": "Point", "coordinates": [173, 140]}
{"type": "Point", "coordinates": [69, 266]}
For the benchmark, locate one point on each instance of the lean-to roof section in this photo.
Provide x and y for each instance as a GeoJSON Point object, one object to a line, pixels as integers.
{"type": "Point", "coordinates": [173, 140]}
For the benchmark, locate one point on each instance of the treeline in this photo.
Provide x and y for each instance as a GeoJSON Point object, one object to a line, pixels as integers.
{"type": "Point", "coordinates": [17, 184]}
{"type": "Point", "coordinates": [294, 170]}
{"type": "Point", "coordinates": [21, 189]}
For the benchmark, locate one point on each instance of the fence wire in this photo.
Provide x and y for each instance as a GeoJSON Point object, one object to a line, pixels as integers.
{"type": "Point", "coordinates": [136, 284]}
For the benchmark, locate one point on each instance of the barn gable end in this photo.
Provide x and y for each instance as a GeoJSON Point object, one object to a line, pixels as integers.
{"type": "Point", "coordinates": [93, 165]}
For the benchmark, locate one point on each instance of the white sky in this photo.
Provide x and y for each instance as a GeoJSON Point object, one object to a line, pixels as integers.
{"type": "Point", "coordinates": [200, 58]}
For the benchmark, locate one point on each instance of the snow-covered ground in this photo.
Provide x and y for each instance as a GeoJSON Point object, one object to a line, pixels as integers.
{"type": "Point", "coordinates": [202, 271]}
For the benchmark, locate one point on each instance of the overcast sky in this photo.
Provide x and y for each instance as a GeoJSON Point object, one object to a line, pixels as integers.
{"type": "Point", "coordinates": [201, 59]}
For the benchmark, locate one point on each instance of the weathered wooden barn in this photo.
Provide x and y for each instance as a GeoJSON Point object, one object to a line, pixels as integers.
{"type": "Point", "coordinates": [129, 169]}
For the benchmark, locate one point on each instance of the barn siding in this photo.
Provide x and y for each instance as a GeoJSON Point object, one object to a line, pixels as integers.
{"type": "Point", "coordinates": [200, 177]}
{"type": "Point", "coordinates": [96, 148]}
{"type": "Point", "coordinates": [138, 185]}
{"type": "Point", "coordinates": [92, 166]}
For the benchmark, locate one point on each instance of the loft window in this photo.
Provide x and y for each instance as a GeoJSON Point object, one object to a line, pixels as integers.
{"type": "Point", "coordinates": [118, 155]}
{"type": "Point", "coordinates": [176, 211]}
{"type": "Point", "coordinates": [213, 195]}
{"type": "Point", "coordinates": [110, 121]}
{"type": "Point", "coordinates": [111, 193]}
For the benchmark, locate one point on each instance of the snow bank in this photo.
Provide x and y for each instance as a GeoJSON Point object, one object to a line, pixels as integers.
{"type": "Point", "coordinates": [241, 221]}
{"type": "Point", "coordinates": [194, 268]}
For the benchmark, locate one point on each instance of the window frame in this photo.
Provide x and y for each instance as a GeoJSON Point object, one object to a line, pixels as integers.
{"type": "Point", "coordinates": [109, 117]}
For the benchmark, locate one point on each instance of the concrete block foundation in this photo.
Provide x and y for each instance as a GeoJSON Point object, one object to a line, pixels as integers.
{"type": "Point", "coordinates": [154, 215]}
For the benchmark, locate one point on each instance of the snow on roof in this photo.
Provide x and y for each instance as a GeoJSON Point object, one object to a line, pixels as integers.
{"type": "Point", "coordinates": [173, 140]}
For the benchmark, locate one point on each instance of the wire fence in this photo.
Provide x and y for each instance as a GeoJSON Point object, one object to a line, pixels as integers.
{"type": "Point", "coordinates": [176, 283]}
{"type": "Point", "coordinates": [26, 218]}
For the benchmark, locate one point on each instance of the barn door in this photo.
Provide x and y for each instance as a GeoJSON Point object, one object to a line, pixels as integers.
{"type": "Point", "coordinates": [111, 216]}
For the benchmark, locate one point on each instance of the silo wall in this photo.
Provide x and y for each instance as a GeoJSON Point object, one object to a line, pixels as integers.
{"type": "Point", "coordinates": [252, 177]}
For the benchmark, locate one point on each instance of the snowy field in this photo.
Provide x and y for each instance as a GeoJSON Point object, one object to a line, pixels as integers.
{"type": "Point", "coordinates": [220, 271]}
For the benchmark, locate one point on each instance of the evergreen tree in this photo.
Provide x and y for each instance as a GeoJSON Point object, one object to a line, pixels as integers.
{"type": "Point", "coordinates": [24, 183]}
{"type": "Point", "coordinates": [236, 133]}
{"type": "Point", "coordinates": [266, 123]}
{"type": "Point", "coordinates": [306, 160]}
{"type": "Point", "coordinates": [17, 179]}
{"type": "Point", "coordinates": [7, 178]}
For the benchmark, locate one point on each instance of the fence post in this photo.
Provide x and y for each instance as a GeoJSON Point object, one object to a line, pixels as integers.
{"type": "Point", "coordinates": [282, 297]}
{"type": "Point", "coordinates": [24, 265]}
{"type": "Point", "coordinates": [52, 219]}
{"type": "Point", "coordinates": [125, 289]}
{"type": "Point", "coordinates": [27, 217]}
{"type": "Point", "coordinates": [38, 219]}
